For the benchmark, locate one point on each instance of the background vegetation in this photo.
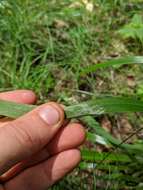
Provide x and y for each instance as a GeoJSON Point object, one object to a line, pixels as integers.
{"type": "Point", "coordinates": [48, 46]}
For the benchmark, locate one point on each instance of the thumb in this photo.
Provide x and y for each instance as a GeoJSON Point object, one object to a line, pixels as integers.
{"type": "Point", "coordinates": [28, 134]}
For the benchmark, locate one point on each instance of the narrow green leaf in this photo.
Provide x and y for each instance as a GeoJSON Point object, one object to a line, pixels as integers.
{"type": "Point", "coordinates": [14, 110]}
{"type": "Point", "coordinates": [92, 123]}
{"type": "Point", "coordinates": [116, 177]}
{"type": "Point", "coordinates": [93, 156]}
{"type": "Point", "coordinates": [104, 166]}
{"type": "Point", "coordinates": [94, 107]}
{"type": "Point", "coordinates": [103, 105]}
{"type": "Point", "coordinates": [112, 62]}
{"type": "Point", "coordinates": [97, 139]}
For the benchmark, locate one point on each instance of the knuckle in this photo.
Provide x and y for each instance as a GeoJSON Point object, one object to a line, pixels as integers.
{"type": "Point", "coordinates": [24, 137]}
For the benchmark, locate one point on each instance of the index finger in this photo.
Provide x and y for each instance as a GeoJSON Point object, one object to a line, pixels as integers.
{"type": "Point", "coordinates": [19, 96]}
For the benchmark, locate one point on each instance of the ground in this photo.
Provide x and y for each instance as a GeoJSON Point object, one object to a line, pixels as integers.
{"type": "Point", "coordinates": [45, 45]}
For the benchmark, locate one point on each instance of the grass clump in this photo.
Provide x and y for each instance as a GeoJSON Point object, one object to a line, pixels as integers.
{"type": "Point", "coordinates": [55, 48]}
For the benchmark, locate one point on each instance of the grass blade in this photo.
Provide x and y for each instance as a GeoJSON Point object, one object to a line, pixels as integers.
{"type": "Point", "coordinates": [94, 107]}
{"type": "Point", "coordinates": [104, 105]}
{"type": "Point", "coordinates": [89, 155]}
{"type": "Point", "coordinates": [106, 167]}
{"type": "Point", "coordinates": [97, 139]}
{"type": "Point", "coordinates": [112, 62]}
{"type": "Point", "coordinates": [92, 123]}
{"type": "Point", "coordinates": [14, 110]}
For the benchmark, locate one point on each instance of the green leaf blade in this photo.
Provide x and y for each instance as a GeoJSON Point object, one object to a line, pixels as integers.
{"type": "Point", "coordinates": [120, 61]}
{"type": "Point", "coordinates": [94, 156]}
{"type": "Point", "coordinates": [14, 110]}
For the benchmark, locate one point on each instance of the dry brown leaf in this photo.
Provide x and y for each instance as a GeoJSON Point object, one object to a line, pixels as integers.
{"type": "Point", "coordinates": [75, 5]}
{"type": "Point", "coordinates": [106, 124]}
{"type": "Point", "coordinates": [131, 81]}
{"type": "Point", "coordinates": [60, 24]}
{"type": "Point", "coordinates": [125, 129]}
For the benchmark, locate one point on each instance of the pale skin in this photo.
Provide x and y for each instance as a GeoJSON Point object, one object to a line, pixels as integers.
{"type": "Point", "coordinates": [39, 148]}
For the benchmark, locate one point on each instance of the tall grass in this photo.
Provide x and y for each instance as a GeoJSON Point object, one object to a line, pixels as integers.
{"type": "Point", "coordinates": [55, 48]}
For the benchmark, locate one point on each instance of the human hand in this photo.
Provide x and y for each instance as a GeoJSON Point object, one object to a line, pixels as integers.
{"type": "Point", "coordinates": [37, 149]}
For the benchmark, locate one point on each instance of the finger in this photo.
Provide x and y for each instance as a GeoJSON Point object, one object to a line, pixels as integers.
{"type": "Point", "coordinates": [4, 121]}
{"type": "Point", "coordinates": [68, 137]}
{"type": "Point", "coordinates": [19, 96]}
{"type": "Point", "coordinates": [28, 134]}
{"type": "Point", "coordinates": [47, 173]}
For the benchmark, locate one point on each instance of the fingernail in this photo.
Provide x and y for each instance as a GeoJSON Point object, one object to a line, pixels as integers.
{"type": "Point", "coordinates": [28, 95]}
{"type": "Point", "coordinates": [50, 115]}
